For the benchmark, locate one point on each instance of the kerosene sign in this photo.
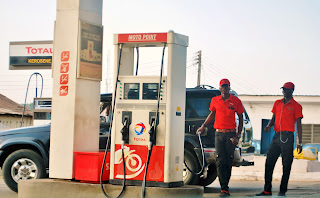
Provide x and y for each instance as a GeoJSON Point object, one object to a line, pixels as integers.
{"type": "Point", "coordinates": [30, 55]}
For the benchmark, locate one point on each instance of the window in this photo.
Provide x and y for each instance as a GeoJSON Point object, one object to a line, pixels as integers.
{"type": "Point", "coordinates": [310, 133]}
{"type": "Point", "coordinates": [197, 107]}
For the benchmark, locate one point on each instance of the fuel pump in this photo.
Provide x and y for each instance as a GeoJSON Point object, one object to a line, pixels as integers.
{"type": "Point", "coordinates": [148, 124]}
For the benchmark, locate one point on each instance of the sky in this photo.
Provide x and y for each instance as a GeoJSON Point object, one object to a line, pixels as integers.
{"type": "Point", "coordinates": [257, 45]}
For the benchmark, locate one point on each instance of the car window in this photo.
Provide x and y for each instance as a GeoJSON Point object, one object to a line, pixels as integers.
{"type": "Point", "coordinates": [246, 115]}
{"type": "Point", "coordinates": [197, 107]}
{"type": "Point", "coordinates": [104, 127]}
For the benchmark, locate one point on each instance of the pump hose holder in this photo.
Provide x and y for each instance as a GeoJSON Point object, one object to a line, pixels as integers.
{"type": "Point", "coordinates": [125, 132]}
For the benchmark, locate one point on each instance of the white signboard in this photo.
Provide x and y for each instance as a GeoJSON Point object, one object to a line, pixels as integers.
{"type": "Point", "coordinates": [30, 55]}
{"type": "Point", "coordinates": [42, 103]}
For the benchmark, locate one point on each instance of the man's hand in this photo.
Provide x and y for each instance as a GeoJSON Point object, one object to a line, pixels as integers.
{"type": "Point", "coordinates": [271, 123]}
{"type": "Point", "coordinates": [201, 129]}
{"type": "Point", "coordinates": [299, 148]}
{"type": "Point", "coordinates": [267, 128]}
{"type": "Point", "coordinates": [235, 141]}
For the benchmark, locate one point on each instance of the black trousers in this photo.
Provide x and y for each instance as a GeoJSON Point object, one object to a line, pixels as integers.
{"type": "Point", "coordinates": [224, 157]}
{"type": "Point", "coordinates": [283, 146]}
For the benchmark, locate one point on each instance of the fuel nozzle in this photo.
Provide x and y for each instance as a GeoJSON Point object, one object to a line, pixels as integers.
{"type": "Point", "coordinates": [152, 133]}
{"type": "Point", "coordinates": [125, 131]}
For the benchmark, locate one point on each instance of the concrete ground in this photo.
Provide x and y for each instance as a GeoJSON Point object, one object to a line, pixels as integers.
{"type": "Point", "coordinates": [238, 189]}
{"type": "Point", "coordinates": [5, 192]}
{"type": "Point", "coordinates": [244, 189]}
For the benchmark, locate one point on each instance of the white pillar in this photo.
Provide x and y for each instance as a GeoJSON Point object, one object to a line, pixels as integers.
{"type": "Point", "coordinates": [77, 72]}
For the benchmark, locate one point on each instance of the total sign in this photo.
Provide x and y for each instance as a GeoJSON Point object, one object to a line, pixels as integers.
{"type": "Point", "coordinates": [140, 129]}
{"type": "Point", "coordinates": [31, 55]}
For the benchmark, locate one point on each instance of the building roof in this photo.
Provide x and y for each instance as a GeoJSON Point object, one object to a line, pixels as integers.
{"type": "Point", "coordinates": [302, 99]}
{"type": "Point", "coordinates": [281, 95]}
{"type": "Point", "coordinates": [10, 107]}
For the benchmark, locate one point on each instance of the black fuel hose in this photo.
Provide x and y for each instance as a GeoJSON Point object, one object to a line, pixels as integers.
{"type": "Point", "coordinates": [108, 140]}
{"type": "Point", "coordinates": [137, 66]}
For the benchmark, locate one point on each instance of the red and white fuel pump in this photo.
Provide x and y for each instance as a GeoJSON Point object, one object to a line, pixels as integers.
{"type": "Point", "coordinates": [149, 109]}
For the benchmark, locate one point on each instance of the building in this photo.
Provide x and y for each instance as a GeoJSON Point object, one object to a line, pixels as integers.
{"type": "Point", "coordinates": [259, 107]}
{"type": "Point", "coordinates": [11, 113]}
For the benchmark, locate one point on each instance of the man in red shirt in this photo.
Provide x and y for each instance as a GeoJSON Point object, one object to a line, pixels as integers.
{"type": "Point", "coordinates": [286, 112]}
{"type": "Point", "coordinates": [223, 109]}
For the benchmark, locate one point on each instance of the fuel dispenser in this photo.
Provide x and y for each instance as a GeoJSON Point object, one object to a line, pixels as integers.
{"type": "Point", "coordinates": [42, 111]}
{"type": "Point", "coordinates": [149, 113]}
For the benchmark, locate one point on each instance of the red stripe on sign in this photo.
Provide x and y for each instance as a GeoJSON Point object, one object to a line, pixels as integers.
{"type": "Point", "coordinates": [209, 150]}
{"type": "Point", "coordinates": [142, 37]}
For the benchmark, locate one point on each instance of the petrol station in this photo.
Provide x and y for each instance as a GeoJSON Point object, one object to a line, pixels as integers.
{"type": "Point", "coordinates": [149, 145]}
{"type": "Point", "coordinates": [146, 138]}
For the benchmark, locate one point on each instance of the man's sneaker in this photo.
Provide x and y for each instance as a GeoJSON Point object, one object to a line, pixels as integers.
{"type": "Point", "coordinates": [264, 193]}
{"type": "Point", "coordinates": [281, 194]}
{"type": "Point", "coordinates": [224, 193]}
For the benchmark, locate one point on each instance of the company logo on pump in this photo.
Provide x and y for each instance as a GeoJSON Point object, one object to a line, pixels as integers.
{"type": "Point", "coordinates": [133, 161]}
{"type": "Point", "coordinates": [140, 128]}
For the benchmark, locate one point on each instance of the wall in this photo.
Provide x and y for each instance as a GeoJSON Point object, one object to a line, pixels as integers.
{"type": "Point", "coordinates": [302, 170]}
{"type": "Point", "coordinates": [13, 121]}
{"type": "Point", "coordinates": [259, 107]}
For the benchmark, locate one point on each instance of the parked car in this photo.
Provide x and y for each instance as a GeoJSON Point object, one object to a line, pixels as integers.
{"type": "Point", "coordinates": [257, 146]}
{"type": "Point", "coordinates": [24, 152]}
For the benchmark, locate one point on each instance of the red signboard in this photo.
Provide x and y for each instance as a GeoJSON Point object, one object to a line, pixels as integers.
{"type": "Point", "coordinates": [64, 68]}
{"type": "Point", "coordinates": [65, 55]}
{"type": "Point", "coordinates": [142, 37]}
{"type": "Point", "coordinates": [64, 79]}
{"type": "Point", "coordinates": [135, 159]}
{"type": "Point", "coordinates": [63, 90]}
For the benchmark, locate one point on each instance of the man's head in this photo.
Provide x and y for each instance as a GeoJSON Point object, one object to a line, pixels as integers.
{"type": "Point", "coordinates": [287, 89]}
{"type": "Point", "coordinates": [224, 86]}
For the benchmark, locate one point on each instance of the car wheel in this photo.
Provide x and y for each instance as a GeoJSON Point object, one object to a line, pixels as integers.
{"type": "Point", "coordinates": [192, 162]}
{"type": "Point", "coordinates": [212, 175]}
{"type": "Point", "coordinates": [21, 165]}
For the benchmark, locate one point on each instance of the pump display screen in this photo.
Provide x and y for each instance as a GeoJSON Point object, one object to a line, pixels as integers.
{"type": "Point", "coordinates": [150, 91]}
{"type": "Point", "coordinates": [44, 103]}
{"type": "Point", "coordinates": [131, 91]}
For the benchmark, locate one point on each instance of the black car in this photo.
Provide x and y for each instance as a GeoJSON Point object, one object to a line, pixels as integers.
{"type": "Point", "coordinates": [24, 152]}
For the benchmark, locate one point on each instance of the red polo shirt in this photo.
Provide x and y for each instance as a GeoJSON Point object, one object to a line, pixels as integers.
{"type": "Point", "coordinates": [286, 115]}
{"type": "Point", "coordinates": [225, 111]}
